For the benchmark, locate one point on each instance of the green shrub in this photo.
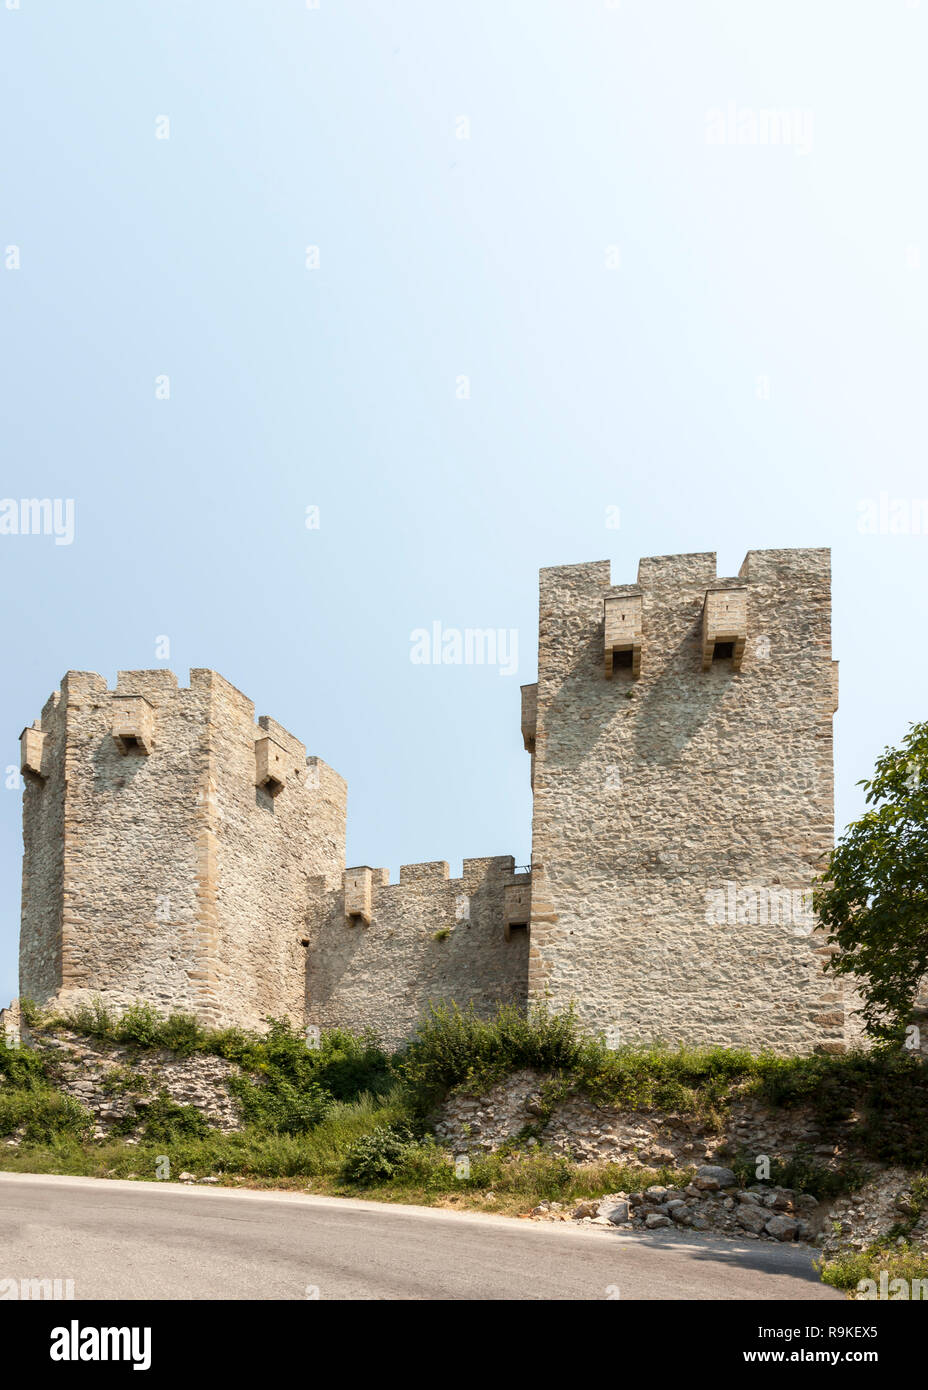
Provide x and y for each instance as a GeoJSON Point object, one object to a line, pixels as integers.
{"type": "Point", "coordinates": [378, 1156]}
{"type": "Point", "coordinates": [427, 1167]}
{"type": "Point", "coordinates": [286, 1098]}
{"type": "Point", "coordinates": [885, 1090]}
{"type": "Point", "coordinates": [349, 1065]}
{"type": "Point", "coordinates": [140, 1026]}
{"type": "Point", "coordinates": [42, 1113]}
{"type": "Point", "coordinates": [164, 1121]}
{"type": "Point", "coordinates": [297, 1084]}
{"type": "Point", "coordinates": [454, 1047]}
{"type": "Point", "coordinates": [533, 1174]}
{"type": "Point", "coordinates": [885, 1087]}
{"type": "Point", "coordinates": [803, 1173]}
{"type": "Point", "coordinates": [22, 1067]}
{"type": "Point", "coordinates": [907, 1262]}
{"type": "Point", "coordinates": [279, 1106]}
{"type": "Point", "coordinates": [230, 1043]}
{"type": "Point", "coordinates": [93, 1019]}
{"type": "Point", "coordinates": [181, 1033]}
{"type": "Point", "coordinates": [288, 1087]}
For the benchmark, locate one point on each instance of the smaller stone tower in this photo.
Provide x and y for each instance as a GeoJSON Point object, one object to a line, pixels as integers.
{"type": "Point", "coordinates": [169, 842]}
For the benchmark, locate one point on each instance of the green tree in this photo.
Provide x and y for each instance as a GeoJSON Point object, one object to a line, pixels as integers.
{"type": "Point", "coordinates": [873, 897]}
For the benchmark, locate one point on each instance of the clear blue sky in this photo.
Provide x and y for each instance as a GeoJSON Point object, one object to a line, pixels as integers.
{"type": "Point", "coordinates": [749, 373]}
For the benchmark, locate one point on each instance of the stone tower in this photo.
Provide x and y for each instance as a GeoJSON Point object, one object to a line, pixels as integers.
{"type": "Point", "coordinates": [169, 841]}
{"type": "Point", "coordinates": [681, 740]}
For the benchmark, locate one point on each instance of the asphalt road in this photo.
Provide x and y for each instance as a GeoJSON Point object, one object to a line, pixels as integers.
{"type": "Point", "coordinates": [141, 1240]}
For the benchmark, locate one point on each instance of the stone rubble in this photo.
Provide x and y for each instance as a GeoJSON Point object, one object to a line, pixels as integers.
{"type": "Point", "coordinates": [94, 1073]}
{"type": "Point", "coordinates": [706, 1204]}
{"type": "Point", "coordinates": [588, 1133]}
{"type": "Point", "coordinates": [646, 1140]}
{"type": "Point", "coordinates": [882, 1203]}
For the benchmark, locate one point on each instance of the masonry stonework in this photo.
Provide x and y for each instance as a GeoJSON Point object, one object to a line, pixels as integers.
{"type": "Point", "coordinates": [178, 852]}
{"type": "Point", "coordinates": [431, 939]}
{"type": "Point", "coordinates": [681, 813]}
{"type": "Point", "coordinates": [163, 872]}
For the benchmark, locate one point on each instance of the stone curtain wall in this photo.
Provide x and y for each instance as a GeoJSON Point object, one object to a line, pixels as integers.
{"type": "Point", "coordinates": [652, 794]}
{"type": "Point", "coordinates": [430, 938]}
{"type": "Point", "coordinates": [169, 876]}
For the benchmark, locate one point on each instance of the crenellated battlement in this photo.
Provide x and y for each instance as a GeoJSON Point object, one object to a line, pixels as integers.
{"type": "Point", "coordinates": [379, 952]}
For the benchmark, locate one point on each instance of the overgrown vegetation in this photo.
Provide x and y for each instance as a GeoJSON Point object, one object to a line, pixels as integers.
{"type": "Point", "coordinates": [803, 1172]}
{"type": "Point", "coordinates": [379, 1156]}
{"type": "Point", "coordinates": [883, 1092]}
{"type": "Point", "coordinates": [41, 1115]}
{"type": "Point", "coordinates": [343, 1115]}
{"type": "Point", "coordinates": [164, 1120]}
{"type": "Point", "coordinates": [32, 1106]}
{"type": "Point", "coordinates": [896, 1271]}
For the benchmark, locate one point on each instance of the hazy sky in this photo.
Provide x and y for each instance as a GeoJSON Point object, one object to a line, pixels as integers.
{"type": "Point", "coordinates": [478, 280]}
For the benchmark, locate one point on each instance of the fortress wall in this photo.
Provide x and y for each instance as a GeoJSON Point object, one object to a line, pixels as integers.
{"type": "Point", "coordinates": [652, 793]}
{"type": "Point", "coordinates": [383, 974]}
{"type": "Point", "coordinates": [681, 739]}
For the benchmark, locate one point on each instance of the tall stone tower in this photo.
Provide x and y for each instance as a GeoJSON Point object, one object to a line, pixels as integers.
{"type": "Point", "coordinates": [681, 740]}
{"type": "Point", "coordinates": [169, 842]}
